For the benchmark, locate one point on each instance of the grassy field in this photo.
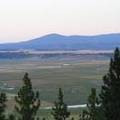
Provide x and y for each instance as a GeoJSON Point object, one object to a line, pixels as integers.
{"type": "Point", "coordinates": [75, 77]}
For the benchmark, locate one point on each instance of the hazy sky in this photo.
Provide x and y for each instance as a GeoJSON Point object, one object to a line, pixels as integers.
{"type": "Point", "coordinates": [26, 19]}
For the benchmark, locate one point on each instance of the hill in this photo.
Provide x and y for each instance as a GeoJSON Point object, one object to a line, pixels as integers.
{"type": "Point", "coordinates": [60, 42]}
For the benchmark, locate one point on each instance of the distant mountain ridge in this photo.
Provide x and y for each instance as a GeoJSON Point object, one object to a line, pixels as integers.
{"type": "Point", "coordinates": [60, 42]}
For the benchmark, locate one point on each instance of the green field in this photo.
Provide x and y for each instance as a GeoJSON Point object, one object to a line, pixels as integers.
{"type": "Point", "coordinates": [75, 77]}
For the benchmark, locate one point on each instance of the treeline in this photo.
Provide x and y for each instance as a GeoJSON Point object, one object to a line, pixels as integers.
{"type": "Point", "coordinates": [105, 106]}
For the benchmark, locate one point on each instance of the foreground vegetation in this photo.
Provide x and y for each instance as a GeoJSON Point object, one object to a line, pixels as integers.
{"type": "Point", "coordinates": [105, 106]}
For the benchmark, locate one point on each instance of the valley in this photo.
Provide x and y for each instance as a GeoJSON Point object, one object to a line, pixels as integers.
{"type": "Point", "coordinates": [76, 74]}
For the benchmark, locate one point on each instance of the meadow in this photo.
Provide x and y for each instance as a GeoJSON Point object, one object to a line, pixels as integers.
{"type": "Point", "coordinates": [75, 76]}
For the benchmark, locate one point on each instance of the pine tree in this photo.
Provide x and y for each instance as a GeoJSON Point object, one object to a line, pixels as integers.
{"type": "Point", "coordinates": [84, 115]}
{"type": "Point", "coordinates": [11, 117]}
{"type": "Point", "coordinates": [110, 93]}
{"type": "Point", "coordinates": [27, 100]}
{"type": "Point", "coordinates": [3, 100]}
{"type": "Point", "coordinates": [72, 118]}
{"type": "Point", "coordinates": [60, 110]}
{"type": "Point", "coordinates": [43, 119]}
{"type": "Point", "coordinates": [92, 107]}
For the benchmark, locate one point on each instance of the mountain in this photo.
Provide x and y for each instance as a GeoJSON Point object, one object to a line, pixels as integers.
{"type": "Point", "coordinates": [60, 42]}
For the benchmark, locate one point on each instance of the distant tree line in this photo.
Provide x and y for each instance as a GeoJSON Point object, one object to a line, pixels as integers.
{"type": "Point", "coordinates": [105, 106]}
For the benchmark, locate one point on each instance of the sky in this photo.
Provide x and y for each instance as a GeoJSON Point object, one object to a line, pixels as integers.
{"type": "Point", "coordinates": [21, 20]}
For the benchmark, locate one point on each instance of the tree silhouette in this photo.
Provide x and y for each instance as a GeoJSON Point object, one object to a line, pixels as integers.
{"type": "Point", "coordinates": [110, 93]}
{"type": "Point", "coordinates": [3, 100]}
{"type": "Point", "coordinates": [91, 113]}
{"type": "Point", "coordinates": [11, 117]}
{"type": "Point", "coordinates": [60, 111]}
{"type": "Point", "coordinates": [27, 100]}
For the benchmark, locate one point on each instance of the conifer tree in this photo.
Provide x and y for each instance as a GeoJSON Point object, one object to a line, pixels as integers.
{"type": "Point", "coordinates": [84, 115]}
{"type": "Point", "coordinates": [11, 117]}
{"type": "Point", "coordinates": [93, 105]}
{"type": "Point", "coordinates": [60, 110]}
{"type": "Point", "coordinates": [27, 100]}
{"type": "Point", "coordinates": [43, 119]}
{"type": "Point", "coordinates": [92, 110]}
{"type": "Point", "coordinates": [110, 93]}
{"type": "Point", "coordinates": [72, 118]}
{"type": "Point", "coordinates": [3, 100]}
